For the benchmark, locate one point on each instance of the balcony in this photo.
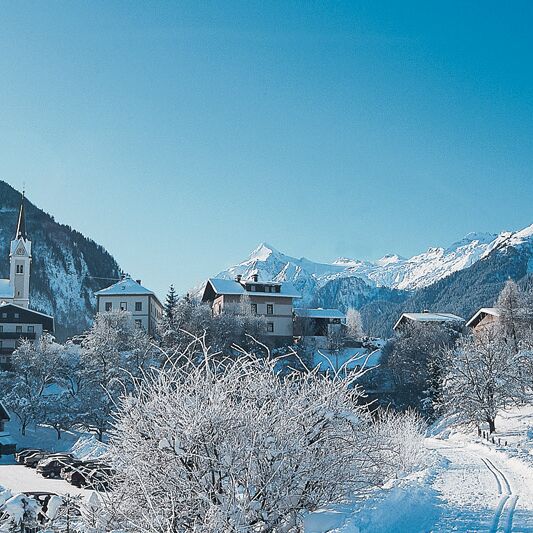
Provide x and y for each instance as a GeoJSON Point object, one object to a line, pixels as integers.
{"type": "Point", "coordinates": [5, 335]}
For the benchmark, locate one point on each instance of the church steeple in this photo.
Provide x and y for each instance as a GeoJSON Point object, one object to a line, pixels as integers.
{"type": "Point", "coordinates": [21, 225]}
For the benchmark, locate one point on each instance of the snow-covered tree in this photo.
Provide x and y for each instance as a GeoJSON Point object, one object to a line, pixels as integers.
{"type": "Point", "coordinates": [224, 444]}
{"type": "Point", "coordinates": [354, 325]}
{"type": "Point", "coordinates": [413, 360]}
{"type": "Point", "coordinates": [34, 367]}
{"type": "Point", "coordinates": [516, 314]}
{"type": "Point", "coordinates": [482, 376]}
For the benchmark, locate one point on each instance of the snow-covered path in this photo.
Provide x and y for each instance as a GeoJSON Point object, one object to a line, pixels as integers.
{"type": "Point", "coordinates": [482, 490]}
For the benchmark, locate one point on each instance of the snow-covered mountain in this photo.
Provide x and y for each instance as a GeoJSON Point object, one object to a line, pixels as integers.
{"type": "Point", "coordinates": [346, 282]}
{"type": "Point", "coordinates": [67, 268]}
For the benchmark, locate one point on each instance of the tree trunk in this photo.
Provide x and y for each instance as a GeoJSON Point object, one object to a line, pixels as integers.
{"type": "Point", "coordinates": [492, 425]}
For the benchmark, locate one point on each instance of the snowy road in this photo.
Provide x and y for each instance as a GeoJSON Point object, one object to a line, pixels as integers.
{"type": "Point", "coordinates": [482, 490]}
{"type": "Point", "coordinates": [19, 478]}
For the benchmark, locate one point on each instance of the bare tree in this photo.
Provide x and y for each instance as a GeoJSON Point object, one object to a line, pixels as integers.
{"type": "Point", "coordinates": [483, 376]}
{"type": "Point", "coordinates": [354, 324]}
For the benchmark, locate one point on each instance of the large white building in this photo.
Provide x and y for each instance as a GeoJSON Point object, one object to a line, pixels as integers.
{"type": "Point", "coordinates": [17, 320]}
{"type": "Point", "coordinates": [129, 295]}
{"type": "Point", "coordinates": [270, 299]}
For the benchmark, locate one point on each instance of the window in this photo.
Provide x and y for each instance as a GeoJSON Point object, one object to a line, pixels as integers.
{"type": "Point", "coordinates": [19, 329]}
{"type": "Point", "coordinates": [16, 314]}
{"type": "Point", "coordinates": [20, 269]}
{"type": "Point", "coordinates": [267, 288]}
{"type": "Point", "coordinates": [31, 329]}
{"type": "Point", "coordinates": [108, 306]}
{"type": "Point", "coordinates": [270, 309]}
{"type": "Point", "coordinates": [138, 306]}
{"type": "Point", "coordinates": [254, 309]}
{"type": "Point", "coordinates": [1, 329]}
{"type": "Point", "coordinates": [139, 324]}
{"type": "Point", "coordinates": [4, 315]}
{"type": "Point", "coordinates": [270, 327]}
{"type": "Point", "coordinates": [252, 288]}
{"type": "Point", "coordinates": [123, 306]}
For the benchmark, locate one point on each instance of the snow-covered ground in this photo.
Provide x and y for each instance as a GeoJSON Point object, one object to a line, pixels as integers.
{"type": "Point", "coordinates": [472, 485]}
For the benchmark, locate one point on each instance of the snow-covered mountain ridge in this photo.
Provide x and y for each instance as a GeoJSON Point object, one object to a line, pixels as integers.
{"type": "Point", "coordinates": [389, 272]}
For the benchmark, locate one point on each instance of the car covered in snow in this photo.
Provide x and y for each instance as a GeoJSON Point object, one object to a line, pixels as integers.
{"type": "Point", "coordinates": [25, 452]}
{"type": "Point", "coordinates": [51, 466]}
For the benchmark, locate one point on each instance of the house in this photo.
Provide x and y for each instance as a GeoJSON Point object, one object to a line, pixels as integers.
{"type": "Point", "coordinates": [129, 295]}
{"type": "Point", "coordinates": [318, 322]}
{"type": "Point", "coordinates": [486, 317]}
{"type": "Point", "coordinates": [17, 320]}
{"type": "Point", "coordinates": [18, 323]}
{"type": "Point", "coordinates": [7, 444]}
{"type": "Point", "coordinates": [427, 318]}
{"type": "Point", "coordinates": [273, 300]}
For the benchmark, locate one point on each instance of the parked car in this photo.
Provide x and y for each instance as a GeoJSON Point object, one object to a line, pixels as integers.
{"type": "Point", "coordinates": [32, 459]}
{"type": "Point", "coordinates": [24, 452]}
{"type": "Point", "coordinates": [99, 478]}
{"type": "Point", "coordinates": [43, 498]}
{"type": "Point", "coordinates": [69, 467]}
{"type": "Point", "coordinates": [51, 466]}
{"type": "Point", "coordinates": [78, 476]}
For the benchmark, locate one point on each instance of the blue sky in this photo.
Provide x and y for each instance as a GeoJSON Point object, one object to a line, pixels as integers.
{"type": "Point", "coordinates": [180, 135]}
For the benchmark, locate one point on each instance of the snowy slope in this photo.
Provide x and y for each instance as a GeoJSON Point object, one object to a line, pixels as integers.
{"type": "Point", "coordinates": [67, 268]}
{"type": "Point", "coordinates": [365, 281]}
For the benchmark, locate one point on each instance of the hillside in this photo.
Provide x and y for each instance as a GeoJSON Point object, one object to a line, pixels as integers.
{"type": "Point", "coordinates": [65, 268]}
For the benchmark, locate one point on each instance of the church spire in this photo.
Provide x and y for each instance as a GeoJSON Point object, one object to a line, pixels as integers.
{"type": "Point", "coordinates": [21, 226]}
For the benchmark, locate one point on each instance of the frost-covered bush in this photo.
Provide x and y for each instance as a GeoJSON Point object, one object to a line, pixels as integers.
{"type": "Point", "coordinates": [226, 445]}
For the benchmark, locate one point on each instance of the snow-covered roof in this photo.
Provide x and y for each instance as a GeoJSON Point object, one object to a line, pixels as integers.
{"type": "Point", "coordinates": [6, 290]}
{"type": "Point", "coordinates": [429, 317]}
{"type": "Point", "coordinates": [125, 286]}
{"type": "Point", "coordinates": [8, 304]}
{"type": "Point", "coordinates": [233, 287]}
{"type": "Point", "coordinates": [484, 311]}
{"type": "Point", "coordinates": [319, 313]}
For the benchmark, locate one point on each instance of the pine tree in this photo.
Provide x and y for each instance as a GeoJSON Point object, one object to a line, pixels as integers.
{"type": "Point", "coordinates": [170, 304]}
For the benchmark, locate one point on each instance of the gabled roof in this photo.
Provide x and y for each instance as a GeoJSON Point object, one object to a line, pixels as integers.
{"type": "Point", "coordinates": [481, 314]}
{"type": "Point", "coordinates": [4, 413]}
{"type": "Point", "coordinates": [232, 287]}
{"type": "Point", "coordinates": [428, 317]}
{"type": "Point", "coordinates": [5, 305]}
{"type": "Point", "coordinates": [126, 286]}
{"type": "Point", "coordinates": [319, 313]}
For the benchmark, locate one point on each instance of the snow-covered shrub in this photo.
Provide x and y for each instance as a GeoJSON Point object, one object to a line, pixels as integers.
{"type": "Point", "coordinates": [227, 445]}
{"type": "Point", "coordinates": [401, 442]}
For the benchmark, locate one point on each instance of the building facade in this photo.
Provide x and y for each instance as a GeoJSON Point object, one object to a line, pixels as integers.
{"type": "Point", "coordinates": [318, 322]}
{"type": "Point", "coordinates": [17, 320]}
{"type": "Point", "coordinates": [130, 296]}
{"type": "Point", "coordinates": [485, 318]}
{"type": "Point", "coordinates": [272, 300]}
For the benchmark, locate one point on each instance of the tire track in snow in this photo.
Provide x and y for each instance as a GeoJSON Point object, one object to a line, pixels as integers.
{"type": "Point", "coordinates": [504, 489]}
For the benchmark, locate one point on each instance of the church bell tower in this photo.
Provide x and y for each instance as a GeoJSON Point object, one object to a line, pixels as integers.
{"type": "Point", "coordinates": [20, 261]}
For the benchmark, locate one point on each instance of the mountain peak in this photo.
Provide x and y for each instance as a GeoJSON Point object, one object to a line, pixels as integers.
{"type": "Point", "coordinates": [262, 252]}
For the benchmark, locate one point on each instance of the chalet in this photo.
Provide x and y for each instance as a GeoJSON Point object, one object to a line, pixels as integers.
{"type": "Point", "coordinates": [427, 318]}
{"type": "Point", "coordinates": [318, 322]}
{"type": "Point", "coordinates": [129, 295]}
{"type": "Point", "coordinates": [485, 318]}
{"type": "Point", "coordinates": [273, 300]}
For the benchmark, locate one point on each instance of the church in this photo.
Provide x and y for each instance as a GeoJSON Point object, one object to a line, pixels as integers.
{"type": "Point", "coordinates": [17, 320]}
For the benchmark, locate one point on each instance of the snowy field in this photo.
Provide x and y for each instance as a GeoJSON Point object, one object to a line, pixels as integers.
{"type": "Point", "coordinates": [472, 485]}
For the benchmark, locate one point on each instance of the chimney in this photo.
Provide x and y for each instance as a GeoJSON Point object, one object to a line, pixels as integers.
{"type": "Point", "coordinates": [255, 277]}
{"type": "Point", "coordinates": [138, 281]}
{"type": "Point", "coordinates": [238, 278]}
